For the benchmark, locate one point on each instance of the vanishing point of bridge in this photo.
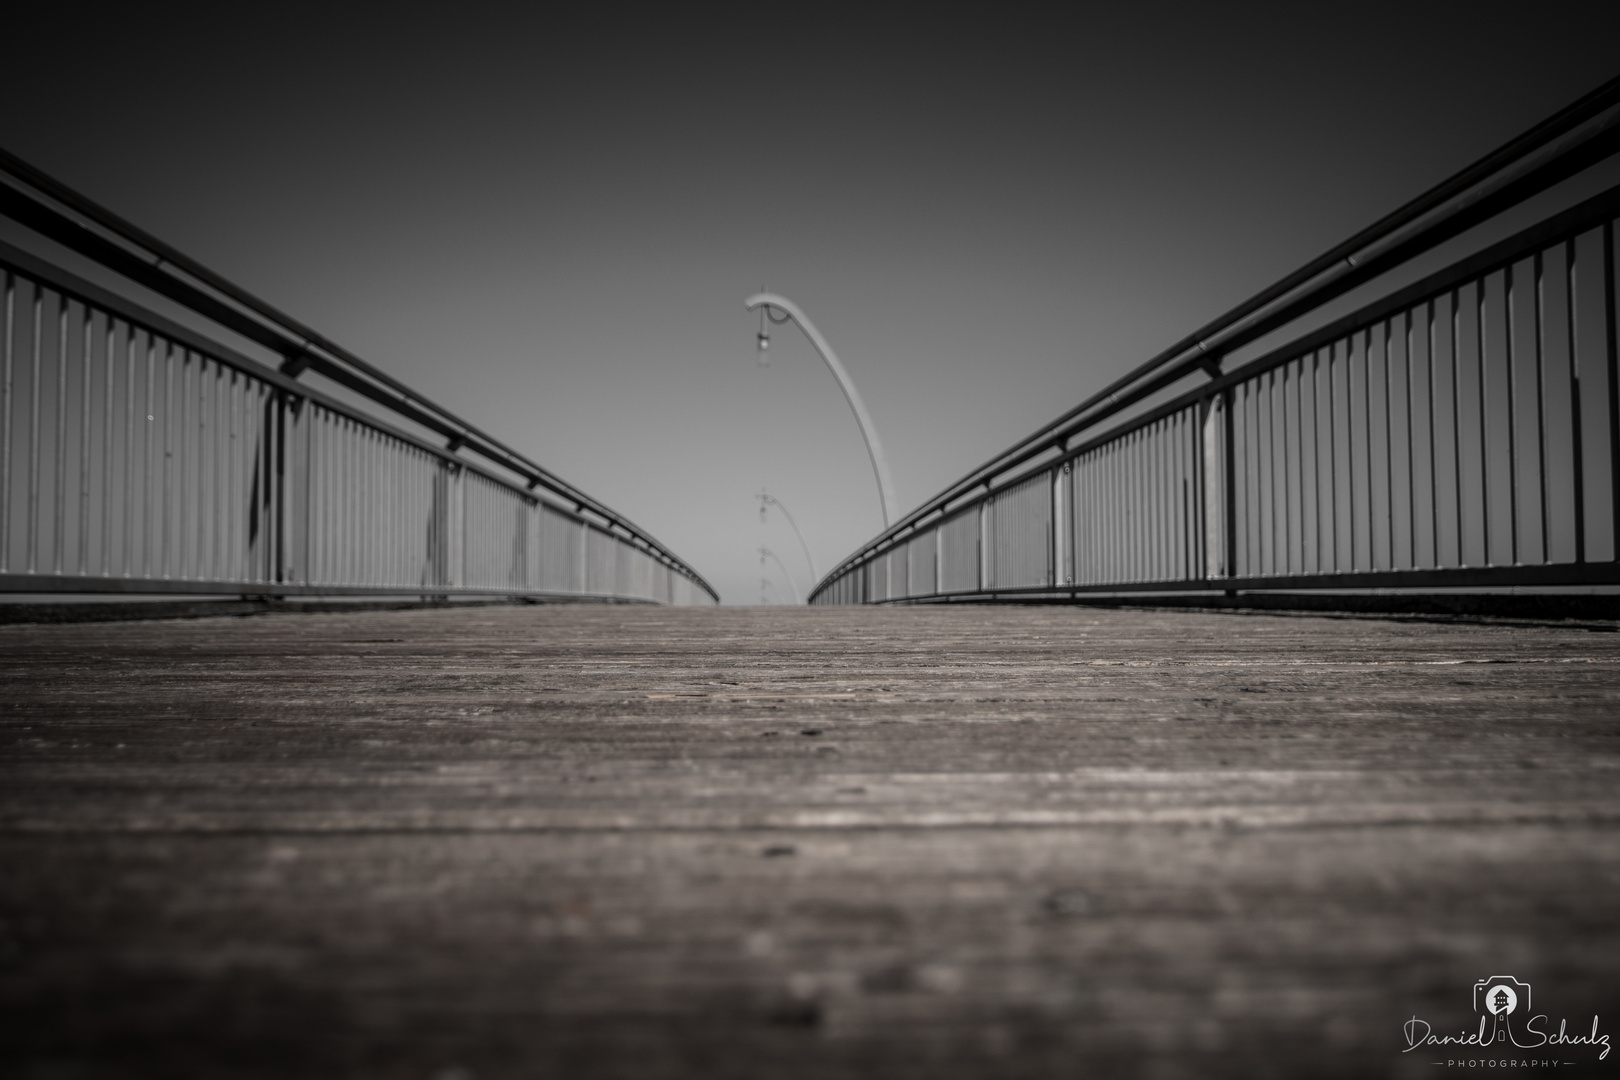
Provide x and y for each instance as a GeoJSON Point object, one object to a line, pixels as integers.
{"type": "Point", "coordinates": [941, 837]}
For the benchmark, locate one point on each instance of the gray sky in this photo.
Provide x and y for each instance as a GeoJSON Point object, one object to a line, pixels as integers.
{"type": "Point", "coordinates": [549, 226]}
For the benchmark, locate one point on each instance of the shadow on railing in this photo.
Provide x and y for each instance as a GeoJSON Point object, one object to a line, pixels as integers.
{"type": "Point", "coordinates": [1459, 434]}
{"type": "Point", "coordinates": [138, 455]}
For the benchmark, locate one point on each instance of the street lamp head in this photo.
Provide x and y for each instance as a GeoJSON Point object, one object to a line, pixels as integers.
{"type": "Point", "coordinates": [762, 342]}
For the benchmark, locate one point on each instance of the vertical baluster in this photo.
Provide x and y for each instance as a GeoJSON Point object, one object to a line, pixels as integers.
{"type": "Point", "coordinates": [386, 535]}
{"type": "Point", "coordinates": [1123, 548]}
{"type": "Point", "coordinates": [1390, 440]}
{"type": "Point", "coordinates": [1611, 350]}
{"type": "Point", "coordinates": [233, 551]}
{"type": "Point", "coordinates": [200, 487]}
{"type": "Point", "coordinates": [1119, 509]}
{"type": "Point", "coordinates": [334, 503]}
{"type": "Point", "coordinates": [353, 480]}
{"type": "Point", "coordinates": [1129, 543]}
{"type": "Point", "coordinates": [1276, 406]}
{"type": "Point", "coordinates": [1146, 497]}
{"type": "Point", "coordinates": [1243, 561]}
{"type": "Point", "coordinates": [1577, 435]}
{"type": "Point", "coordinates": [340, 508]}
{"type": "Point", "coordinates": [107, 447]}
{"type": "Point", "coordinates": [335, 509]}
{"type": "Point", "coordinates": [1161, 506]}
{"type": "Point", "coordinates": [7, 359]}
{"type": "Point", "coordinates": [1305, 412]}
{"type": "Point", "coordinates": [1398, 378]}
{"type": "Point", "coordinates": [1265, 475]}
{"type": "Point", "coordinates": [1163, 448]}
{"type": "Point", "coordinates": [1141, 505]}
{"type": "Point", "coordinates": [1175, 524]}
{"type": "Point", "coordinates": [1257, 441]}
{"type": "Point", "coordinates": [149, 518]}
{"type": "Point", "coordinates": [1339, 430]}
{"type": "Point", "coordinates": [248, 444]}
{"type": "Point", "coordinates": [1424, 499]}
{"type": "Point", "coordinates": [404, 505]}
{"type": "Point", "coordinates": [347, 501]}
{"type": "Point", "coordinates": [166, 543]}
{"type": "Point", "coordinates": [328, 498]}
{"type": "Point", "coordinates": [306, 496]}
{"type": "Point", "coordinates": [1445, 415]}
{"type": "Point", "coordinates": [220, 452]}
{"type": "Point", "coordinates": [1187, 453]}
{"type": "Point", "coordinates": [368, 506]}
{"type": "Point", "coordinates": [127, 493]}
{"type": "Point", "coordinates": [1590, 352]}
{"type": "Point", "coordinates": [385, 503]}
{"type": "Point", "coordinates": [359, 479]}
{"type": "Point", "coordinates": [1560, 413]}
{"type": "Point", "coordinates": [59, 495]}
{"type": "Point", "coordinates": [1358, 370]}
{"type": "Point", "coordinates": [33, 432]}
{"type": "Point", "coordinates": [1131, 488]}
{"type": "Point", "coordinates": [1107, 519]}
{"type": "Point", "coordinates": [1375, 449]}
{"type": "Point", "coordinates": [85, 390]}
{"type": "Point", "coordinates": [1079, 523]}
{"type": "Point", "coordinates": [365, 496]}
{"type": "Point", "coordinates": [316, 574]}
{"type": "Point", "coordinates": [374, 537]}
{"type": "Point", "coordinates": [185, 464]}
{"type": "Point", "coordinates": [1105, 512]}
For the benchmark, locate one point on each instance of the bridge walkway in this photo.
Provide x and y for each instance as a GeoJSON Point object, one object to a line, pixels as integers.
{"type": "Point", "coordinates": [651, 842]}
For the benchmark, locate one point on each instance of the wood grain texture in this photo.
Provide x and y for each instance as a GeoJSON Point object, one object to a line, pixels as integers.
{"type": "Point", "coordinates": [935, 842]}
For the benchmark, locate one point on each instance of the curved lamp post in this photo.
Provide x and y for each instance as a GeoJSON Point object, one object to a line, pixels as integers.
{"type": "Point", "coordinates": [771, 302]}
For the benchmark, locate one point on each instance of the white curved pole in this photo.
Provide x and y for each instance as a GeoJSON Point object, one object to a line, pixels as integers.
{"type": "Point", "coordinates": [765, 553]}
{"type": "Point", "coordinates": [874, 449]}
{"type": "Point", "coordinates": [766, 499]}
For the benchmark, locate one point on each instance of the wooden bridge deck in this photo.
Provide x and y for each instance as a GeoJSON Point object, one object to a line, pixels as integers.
{"type": "Point", "coordinates": [612, 841]}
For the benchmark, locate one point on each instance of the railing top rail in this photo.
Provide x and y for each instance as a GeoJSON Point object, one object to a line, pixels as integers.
{"type": "Point", "coordinates": [1572, 139]}
{"type": "Point", "coordinates": [44, 204]}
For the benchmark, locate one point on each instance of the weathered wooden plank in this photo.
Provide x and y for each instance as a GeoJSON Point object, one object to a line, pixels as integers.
{"type": "Point", "coordinates": [581, 841]}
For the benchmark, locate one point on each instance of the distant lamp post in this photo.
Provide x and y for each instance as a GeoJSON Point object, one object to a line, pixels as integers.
{"type": "Point", "coordinates": [768, 500]}
{"type": "Point", "coordinates": [767, 553]}
{"type": "Point", "coordinates": [770, 303]}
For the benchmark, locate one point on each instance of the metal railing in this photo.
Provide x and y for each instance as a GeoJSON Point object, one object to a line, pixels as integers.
{"type": "Point", "coordinates": [1459, 433]}
{"type": "Point", "coordinates": [138, 455]}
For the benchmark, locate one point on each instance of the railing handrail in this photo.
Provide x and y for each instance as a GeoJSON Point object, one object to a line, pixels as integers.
{"type": "Point", "coordinates": [1454, 205]}
{"type": "Point", "coordinates": [301, 347]}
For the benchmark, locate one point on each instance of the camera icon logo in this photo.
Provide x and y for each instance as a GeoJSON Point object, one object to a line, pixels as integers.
{"type": "Point", "coordinates": [1501, 995]}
